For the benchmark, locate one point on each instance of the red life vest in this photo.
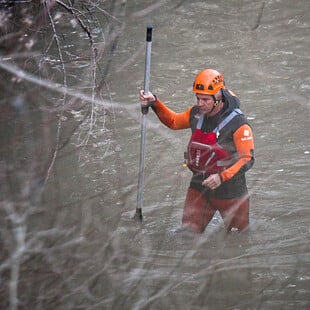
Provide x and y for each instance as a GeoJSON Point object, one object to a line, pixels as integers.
{"type": "Point", "coordinates": [205, 155]}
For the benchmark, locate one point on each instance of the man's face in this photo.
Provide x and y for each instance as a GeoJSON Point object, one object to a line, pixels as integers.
{"type": "Point", "coordinates": [205, 103]}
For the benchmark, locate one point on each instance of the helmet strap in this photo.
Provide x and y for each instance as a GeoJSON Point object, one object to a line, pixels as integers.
{"type": "Point", "coordinates": [216, 103]}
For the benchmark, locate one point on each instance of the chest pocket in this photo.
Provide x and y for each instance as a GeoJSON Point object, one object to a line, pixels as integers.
{"type": "Point", "coordinates": [205, 155]}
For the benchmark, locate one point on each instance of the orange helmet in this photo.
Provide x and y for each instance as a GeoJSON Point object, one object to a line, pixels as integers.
{"type": "Point", "coordinates": [208, 82]}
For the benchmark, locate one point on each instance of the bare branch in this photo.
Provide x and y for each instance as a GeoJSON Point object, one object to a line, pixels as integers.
{"type": "Point", "coordinates": [56, 87]}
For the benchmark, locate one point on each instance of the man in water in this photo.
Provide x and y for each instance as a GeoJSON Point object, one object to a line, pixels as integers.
{"type": "Point", "coordinates": [220, 151]}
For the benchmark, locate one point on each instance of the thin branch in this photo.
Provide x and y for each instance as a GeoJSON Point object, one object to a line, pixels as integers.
{"type": "Point", "coordinates": [105, 12]}
{"type": "Point", "coordinates": [59, 88]}
{"type": "Point", "coordinates": [64, 94]}
{"type": "Point", "coordinates": [259, 17]}
{"type": "Point", "coordinates": [72, 11]}
{"type": "Point", "coordinates": [149, 9]}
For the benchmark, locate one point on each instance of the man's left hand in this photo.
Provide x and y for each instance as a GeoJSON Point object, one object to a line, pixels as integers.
{"type": "Point", "coordinates": [213, 181]}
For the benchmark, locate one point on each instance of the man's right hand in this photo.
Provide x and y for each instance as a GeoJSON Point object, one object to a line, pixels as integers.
{"type": "Point", "coordinates": [146, 100]}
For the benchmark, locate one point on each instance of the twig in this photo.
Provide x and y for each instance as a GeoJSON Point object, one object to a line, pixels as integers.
{"type": "Point", "coordinates": [149, 9]}
{"type": "Point", "coordinates": [53, 86]}
{"type": "Point", "coordinates": [64, 94]}
{"type": "Point", "coordinates": [71, 10]}
{"type": "Point", "coordinates": [259, 17]}
{"type": "Point", "coordinates": [105, 12]}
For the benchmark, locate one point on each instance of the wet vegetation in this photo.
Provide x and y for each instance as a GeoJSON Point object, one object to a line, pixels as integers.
{"type": "Point", "coordinates": [54, 60]}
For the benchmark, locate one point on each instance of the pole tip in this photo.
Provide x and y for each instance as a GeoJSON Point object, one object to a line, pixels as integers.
{"type": "Point", "coordinates": [138, 215]}
{"type": "Point", "coordinates": [149, 29]}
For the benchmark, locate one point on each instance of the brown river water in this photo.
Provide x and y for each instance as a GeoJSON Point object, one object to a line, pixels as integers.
{"type": "Point", "coordinates": [84, 250]}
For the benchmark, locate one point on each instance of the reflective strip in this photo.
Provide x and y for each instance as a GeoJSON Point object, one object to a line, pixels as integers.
{"type": "Point", "coordinates": [227, 119]}
{"type": "Point", "coordinates": [210, 158]}
{"type": "Point", "coordinates": [200, 121]}
{"type": "Point", "coordinates": [205, 146]}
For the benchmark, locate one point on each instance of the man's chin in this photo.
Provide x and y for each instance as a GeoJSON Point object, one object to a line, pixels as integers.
{"type": "Point", "coordinates": [204, 111]}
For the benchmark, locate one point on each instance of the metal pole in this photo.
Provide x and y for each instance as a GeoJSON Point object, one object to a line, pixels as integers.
{"type": "Point", "coordinates": [144, 111]}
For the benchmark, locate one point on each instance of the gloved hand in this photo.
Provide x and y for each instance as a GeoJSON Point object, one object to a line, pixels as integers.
{"type": "Point", "coordinates": [146, 100]}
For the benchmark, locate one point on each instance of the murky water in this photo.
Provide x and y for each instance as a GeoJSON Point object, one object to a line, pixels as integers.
{"type": "Point", "coordinates": [101, 258]}
{"type": "Point", "coordinates": [261, 48]}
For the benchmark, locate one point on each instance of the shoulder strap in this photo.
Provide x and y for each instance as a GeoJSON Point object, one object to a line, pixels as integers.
{"type": "Point", "coordinates": [200, 121]}
{"type": "Point", "coordinates": [227, 119]}
{"type": "Point", "coordinates": [223, 123]}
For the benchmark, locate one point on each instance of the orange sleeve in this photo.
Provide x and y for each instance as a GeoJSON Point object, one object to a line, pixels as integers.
{"type": "Point", "coordinates": [243, 139]}
{"type": "Point", "coordinates": [170, 118]}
